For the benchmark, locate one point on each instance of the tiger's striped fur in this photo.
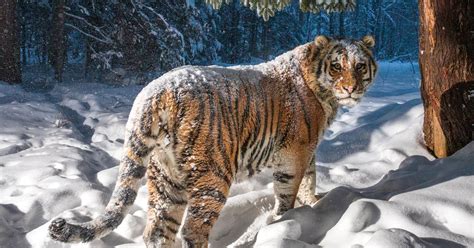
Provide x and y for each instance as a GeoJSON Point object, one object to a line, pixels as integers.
{"type": "Point", "coordinates": [194, 130]}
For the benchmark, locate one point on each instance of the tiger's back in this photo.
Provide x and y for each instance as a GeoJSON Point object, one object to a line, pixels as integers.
{"type": "Point", "coordinates": [236, 118]}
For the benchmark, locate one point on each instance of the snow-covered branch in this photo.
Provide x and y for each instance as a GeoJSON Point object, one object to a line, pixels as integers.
{"type": "Point", "coordinates": [106, 41]}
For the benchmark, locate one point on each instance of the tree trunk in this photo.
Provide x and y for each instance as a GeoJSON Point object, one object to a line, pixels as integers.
{"type": "Point", "coordinates": [253, 34]}
{"type": "Point", "coordinates": [376, 28]}
{"type": "Point", "coordinates": [331, 24]}
{"type": "Point", "coordinates": [341, 24]}
{"type": "Point", "coordinates": [309, 26]}
{"type": "Point", "coordinates": [10, 69]}
{"type": "Point", "coordinates": [264, 52]}
{"type": "Point", "coordinates": [57, 44]}
{"type": "Point", "coordinates": [21, 20]}
{"type": "Point", "coordinates": [355, 29]}
{"type": "Point", "coordinates": [88, 58]}
{"type": "Point", "coordinates": [447, 69]}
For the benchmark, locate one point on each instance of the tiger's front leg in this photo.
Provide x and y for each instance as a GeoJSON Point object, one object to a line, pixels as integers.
{"type": "Point", "coordinates": [306, 192]}
{"type": "Point", "coordinates": [287, 177]}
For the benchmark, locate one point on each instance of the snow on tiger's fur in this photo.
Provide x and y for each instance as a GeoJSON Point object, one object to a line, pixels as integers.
{"type": "Point", "coordinates": [197, 129]}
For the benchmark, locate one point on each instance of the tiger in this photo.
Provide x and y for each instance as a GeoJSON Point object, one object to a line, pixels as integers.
{"type": "Point", "coordinates": [196, 129]}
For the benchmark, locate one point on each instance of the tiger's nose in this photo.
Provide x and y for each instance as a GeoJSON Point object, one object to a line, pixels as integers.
{"type": "Point", "coordinates": [349, 88]}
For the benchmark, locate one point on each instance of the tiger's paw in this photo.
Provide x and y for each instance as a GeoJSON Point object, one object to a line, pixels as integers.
{"type": "Point", "coordinates": [58, 230]}
{"type": "Point", "coordinates": [272, 218]}
{"type": "Point", "coordinates": [308, 200]}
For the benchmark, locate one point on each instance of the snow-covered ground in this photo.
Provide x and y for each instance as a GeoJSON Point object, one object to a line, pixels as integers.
{"type": "Point", "coordinates": [59, 149]}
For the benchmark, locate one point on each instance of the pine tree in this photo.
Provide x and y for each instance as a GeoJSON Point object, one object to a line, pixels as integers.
{"type": "Point", "coordinates": [10, 70]}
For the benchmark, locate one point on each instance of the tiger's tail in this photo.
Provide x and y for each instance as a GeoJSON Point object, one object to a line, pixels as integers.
{"type": "Point", "coordinates": [132, 168]}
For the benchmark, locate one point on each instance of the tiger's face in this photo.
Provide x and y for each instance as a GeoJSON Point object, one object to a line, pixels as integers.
{"type": "Point", "coordinates": [347, 67]}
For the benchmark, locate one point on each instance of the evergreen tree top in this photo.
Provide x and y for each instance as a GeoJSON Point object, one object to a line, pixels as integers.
{"type": "Point", "coordinates": [267, 8]}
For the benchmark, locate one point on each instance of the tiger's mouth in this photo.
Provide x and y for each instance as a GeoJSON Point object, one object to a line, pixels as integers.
{"type": "Point", "coordinates": [348, 101]}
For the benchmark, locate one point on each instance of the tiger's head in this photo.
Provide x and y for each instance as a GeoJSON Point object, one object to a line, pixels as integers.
{"type": "Point", "coordinates": [344, 67]}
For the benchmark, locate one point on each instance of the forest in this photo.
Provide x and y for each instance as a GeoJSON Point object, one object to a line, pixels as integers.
{"type": "Point", "coordinates": [143, 39]}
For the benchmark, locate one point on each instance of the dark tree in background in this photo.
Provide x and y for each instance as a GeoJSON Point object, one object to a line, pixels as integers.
{"type": "Point", "coordinates": [9, 43]}
{"type": "Point", "coordinates": [447, 68]}
{"type": "Point", "coordinates": [58, 45]}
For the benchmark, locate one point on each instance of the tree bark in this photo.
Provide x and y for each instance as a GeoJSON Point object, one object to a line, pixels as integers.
{"type": "Point", "coordinates": [447, 69]}
{"type": "Point", "coordinates": [10, 68]}
{"type": "Point", "coordinates": [57, 44]}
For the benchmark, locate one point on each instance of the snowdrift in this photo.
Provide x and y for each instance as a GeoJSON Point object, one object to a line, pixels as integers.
{"type": "Point", "coordinates": [421, 204]}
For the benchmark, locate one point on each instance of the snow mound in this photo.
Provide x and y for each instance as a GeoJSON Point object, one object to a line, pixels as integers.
{"type": "Point", "coordinates": [421, 204]}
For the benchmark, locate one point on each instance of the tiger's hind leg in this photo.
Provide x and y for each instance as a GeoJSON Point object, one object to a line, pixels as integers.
{"type": "Point", "coordinates": [166, 205]}
{"type": "Point", "coordinates": [207, 196]}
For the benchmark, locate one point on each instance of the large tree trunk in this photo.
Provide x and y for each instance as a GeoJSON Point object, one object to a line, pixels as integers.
{"type": "Point", "coordinates": [10, 70]}
{"type": "Point", "coordinates": [447, 70]}
{"type": "Point", "coordinates": [58, 43]}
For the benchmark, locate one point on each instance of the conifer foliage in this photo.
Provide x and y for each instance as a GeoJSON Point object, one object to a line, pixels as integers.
{"type": "Point", "coordinates": [146, 38]}
{"type": "Point", "coordinates": [267, 8]}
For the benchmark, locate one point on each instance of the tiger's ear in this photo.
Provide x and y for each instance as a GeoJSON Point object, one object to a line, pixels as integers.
{"type": "Point", "coordinates": [321, 41]}
{"type": "Point", "coordinates": [368, 41]}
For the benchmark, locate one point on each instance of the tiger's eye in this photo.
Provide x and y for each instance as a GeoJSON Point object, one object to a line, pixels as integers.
{"type": "Point", "coordinates": [360, 66]}
{"type": "Point", "coordinates": [336, 66]}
